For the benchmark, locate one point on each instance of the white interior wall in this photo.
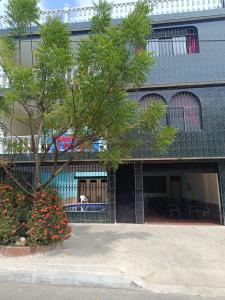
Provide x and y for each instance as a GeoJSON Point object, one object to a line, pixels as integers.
{"type": "Point", "coordinates": [194, 186]}
{"type": "Point", "coordinates": [199, 186]}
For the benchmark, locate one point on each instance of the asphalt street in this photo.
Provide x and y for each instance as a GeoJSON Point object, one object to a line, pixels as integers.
{"type": "Point", "coordinates": [44, 292]}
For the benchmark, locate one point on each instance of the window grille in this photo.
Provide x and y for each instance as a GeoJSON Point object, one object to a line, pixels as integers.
{"type": "Point", "coordinates": [151, 98]}
{"type": "Point", "coordinates": [185, 112]}
{"type": "Point", "coordinates": [174, 41]}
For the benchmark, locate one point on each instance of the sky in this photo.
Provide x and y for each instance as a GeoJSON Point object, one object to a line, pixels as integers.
{"type": "Point", "coordinates": [54, 4]}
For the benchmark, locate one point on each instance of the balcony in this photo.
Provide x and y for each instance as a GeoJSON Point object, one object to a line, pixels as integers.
{"type": "Point", "coordinates": [121, 10]}
{"type": "Point", "coordinates": [199, 134]}
{"type": "Point", "coordinates": [4, 81]}
{"type": "Point", "coordinates": [23, 144]}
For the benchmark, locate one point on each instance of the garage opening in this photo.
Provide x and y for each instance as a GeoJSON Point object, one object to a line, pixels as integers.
{"type": "Point", "coordinates": [187, 198]}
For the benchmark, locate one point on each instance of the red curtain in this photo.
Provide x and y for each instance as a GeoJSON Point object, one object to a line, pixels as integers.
{"type": "Point", "coordinates": [192, 44]}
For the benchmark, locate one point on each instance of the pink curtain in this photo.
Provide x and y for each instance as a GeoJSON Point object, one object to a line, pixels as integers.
{"type": "Point", "coordinates": [192, 44]}
{"type": "Point", "coordinates": [189, 110]}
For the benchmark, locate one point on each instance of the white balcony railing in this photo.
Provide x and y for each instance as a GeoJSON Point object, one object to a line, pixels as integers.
{"type": "Point", "coordinates": [4, 81]}
{"type": "Point", "coordinates": [121, 10]}
{"type": "Point", "coordinates": [23, 144]}
{"type": "Point", "coordinates": [20, 144]}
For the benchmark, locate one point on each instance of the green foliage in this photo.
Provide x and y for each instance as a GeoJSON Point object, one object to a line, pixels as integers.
{"type": "Point", "coordinates": [150, 116]}
{"type": "Point", "coordinates": [7, 217]}
{"type": "Point", "coordinates": [54, 59]}
{"type": "Point", "coordinates": [55, 34]}
{"type": "Point", "coordinates": [15, 212]}
{"type": "Point", "coordinates": [164, 137]}
{"type": "Point", "coordinates": [92, 100]}
{"type": "Point", "coordinates": [102, 20]}
{"type": "Point", "coordinates": [7, 232]}
{"type": "Point", "coordinates": [41, 220]}
{"type": "Point", "coordinates": [7, 52]}
{"type": "Point", "coordinates": [15, 146]}
{"type": "Point", "coordinates": [21, 13]}
{"type": "Point", "coordinates": [49, 223]}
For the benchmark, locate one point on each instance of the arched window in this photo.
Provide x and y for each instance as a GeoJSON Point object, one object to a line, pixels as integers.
{"type": "Point", "coordinates": [148, 100]}
{"type": "Point", "coordinates": [185, 112]}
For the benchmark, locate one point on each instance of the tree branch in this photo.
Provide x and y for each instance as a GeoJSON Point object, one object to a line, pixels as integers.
{"type": "Point", "coordinates": [19, 138]}
{"type": "Point", "coordinates": [56, 172]}
{"type": "Point", "coordinates": [17, 182]}
{"type": "Point", "coordinates": [63, 131]}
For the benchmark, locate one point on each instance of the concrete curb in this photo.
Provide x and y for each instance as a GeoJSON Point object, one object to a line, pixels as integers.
{"type": "Point", "coordinates": [182, 290]}
{"type": "Point", "coordinates": [12, 251]}
{"type": "Point", "coordinates": [54, 275]}
{"type": "Point", "coordinates": [103, 278]}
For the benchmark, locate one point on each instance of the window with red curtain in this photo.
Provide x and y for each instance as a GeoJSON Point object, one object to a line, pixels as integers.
{"type": "Point", "coordinates": [192, 44]}
{"type": "Point", "coordinates": [174, 41]}
{"type": "Point", "coordinates": [185, 112]}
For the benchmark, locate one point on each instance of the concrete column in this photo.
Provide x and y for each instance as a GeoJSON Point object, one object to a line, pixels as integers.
{"type": "Point", "coordinates": [221, 167]}
{"type": "Point", "coordinates": [139, 195]}
{"type": "Point", "coordinates": [66, 13]}
{"type": "Point", "coordinates": [112, 197]}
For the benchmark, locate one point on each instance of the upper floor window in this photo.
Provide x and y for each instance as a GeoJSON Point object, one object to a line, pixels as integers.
{"type": "Point", "coordinates": [151, 98]}
{"type": "Point", "coordinates": [184, 112]}
{"type": "Point", "coordinates": [174, 41]}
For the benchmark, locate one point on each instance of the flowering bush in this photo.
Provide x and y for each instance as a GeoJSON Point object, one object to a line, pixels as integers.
{"type": "Point", "coordinates": [15, 211]}
{"type": "Point", "coordinates": [41, 220]}
{"type": "Point", "coordinates": [48, 223]}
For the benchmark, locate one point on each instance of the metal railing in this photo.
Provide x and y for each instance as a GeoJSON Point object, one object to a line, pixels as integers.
{"type": "Point", "coordinates": [73, 184]}
{"type": "Point", "coordinates": [121, 10]}
{"type": "Point", "coordinates": [185, 118]}
{"type": "Point", "coordinates": [174, 41]}
{"type": "Point", "coordinates": [17, 144]}
{"type": "Point", "coordinates": [23, 144]}
{"type": "Point", "coordinates": [4, 81]}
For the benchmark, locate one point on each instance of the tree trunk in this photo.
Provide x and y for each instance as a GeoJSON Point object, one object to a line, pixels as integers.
{"type": "Point", "coordinates": [37, 173]}
{"type": "Point", "coordinates": [20, 55]}
{"type": "Point", "coordinates": [31, 47]}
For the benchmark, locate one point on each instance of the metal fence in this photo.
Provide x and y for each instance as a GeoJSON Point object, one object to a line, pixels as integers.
{"type": "Point", "coordinates": [82, 187]}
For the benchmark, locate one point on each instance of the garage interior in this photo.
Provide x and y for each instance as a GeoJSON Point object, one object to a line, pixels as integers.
{"type": "Point", "coordinates": [182, 197]}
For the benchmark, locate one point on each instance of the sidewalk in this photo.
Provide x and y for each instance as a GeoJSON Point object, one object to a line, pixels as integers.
{"type": "Point", "coordinates": [160, 258]}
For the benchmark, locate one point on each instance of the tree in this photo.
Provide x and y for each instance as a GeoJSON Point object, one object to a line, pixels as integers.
{"type": "Point", "coordinates": [21, 14]}
{"type": "Point", "coordinates": [84, 92]}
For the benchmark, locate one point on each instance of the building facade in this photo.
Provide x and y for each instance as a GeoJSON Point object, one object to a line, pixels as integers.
{"type": "Point", "coordinates": [187, 181]}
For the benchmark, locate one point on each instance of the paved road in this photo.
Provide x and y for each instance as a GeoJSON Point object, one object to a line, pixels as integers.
{"type": "Point", "coordinates": [172, 258]}
{"type": "Point", "coordinates": [44, 292]}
